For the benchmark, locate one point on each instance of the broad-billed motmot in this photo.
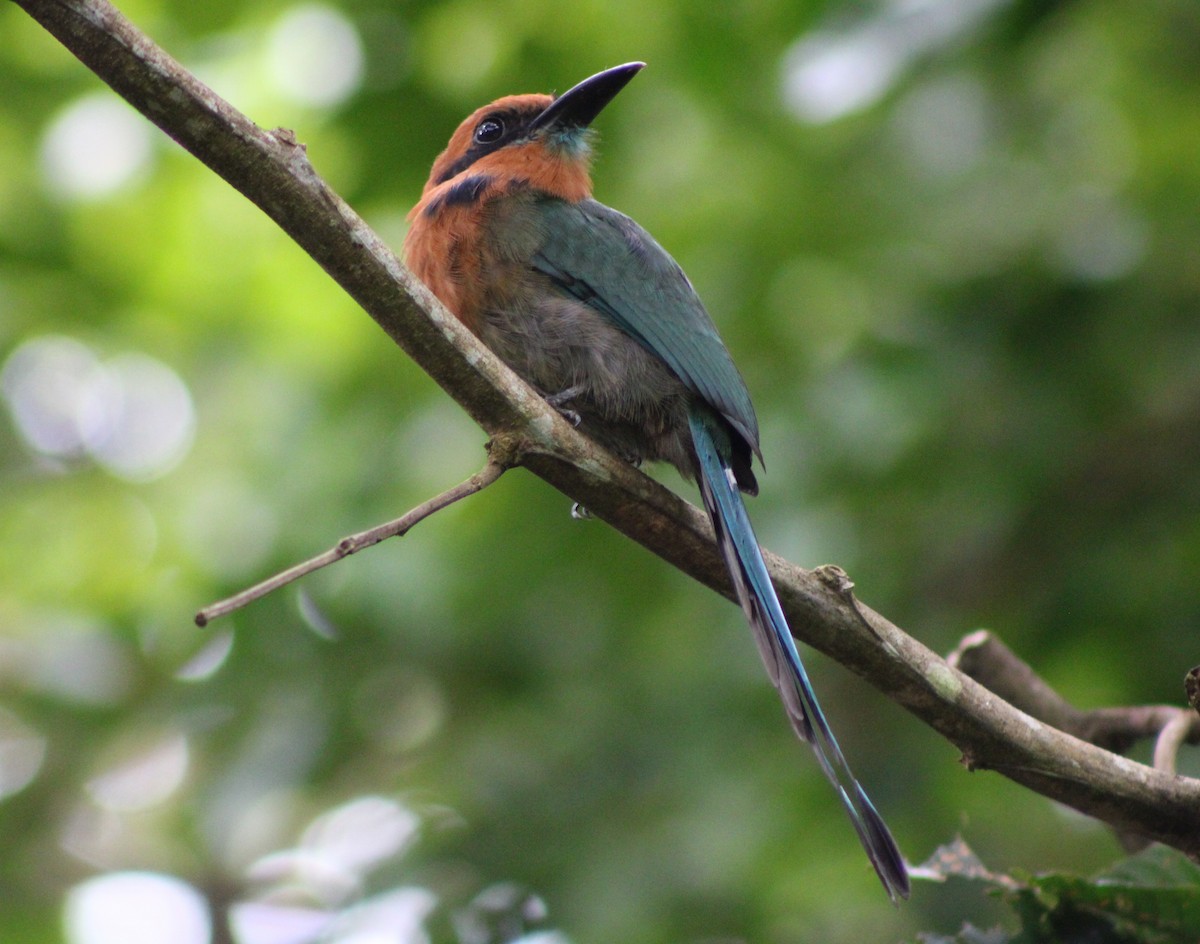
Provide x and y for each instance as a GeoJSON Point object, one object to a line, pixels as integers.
{"type": "Point", "coordinates": [584, 305]}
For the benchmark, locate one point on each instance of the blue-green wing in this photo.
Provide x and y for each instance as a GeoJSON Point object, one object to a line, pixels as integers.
{"type": "Point", "coordinates": [605, 260]}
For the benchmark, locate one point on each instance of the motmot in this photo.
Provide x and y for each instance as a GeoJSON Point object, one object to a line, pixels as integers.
{"type": "Point", "coordinates": [586, 307]}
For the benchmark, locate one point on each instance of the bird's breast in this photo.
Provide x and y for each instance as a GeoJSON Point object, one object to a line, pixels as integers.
{"type": "Point", "coordinates": [478, 257]}
{"type": "Point", "coordinates": [472, 241]}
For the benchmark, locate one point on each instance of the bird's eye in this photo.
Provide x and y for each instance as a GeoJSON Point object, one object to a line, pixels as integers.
{"type": "Point", "coordinates": [489, 131]}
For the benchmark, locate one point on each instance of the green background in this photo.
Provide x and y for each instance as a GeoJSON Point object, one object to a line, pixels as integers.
{"type": "Point", "coordinates": [954, 250]}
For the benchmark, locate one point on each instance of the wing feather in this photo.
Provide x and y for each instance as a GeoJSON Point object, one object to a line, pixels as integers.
{"type": "Point", "coordinates": [607, 261]}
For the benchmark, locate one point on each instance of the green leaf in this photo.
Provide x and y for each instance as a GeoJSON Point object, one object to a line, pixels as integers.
{"type": "Point", "coordinates": [1149, 898]}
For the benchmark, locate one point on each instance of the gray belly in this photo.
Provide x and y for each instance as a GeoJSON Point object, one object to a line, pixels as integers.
{"type": "Point", "coordinates": [627, 399]}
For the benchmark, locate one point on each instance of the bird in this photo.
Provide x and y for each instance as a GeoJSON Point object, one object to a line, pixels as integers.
{"type": "Point", "coordinates": [586, 307]}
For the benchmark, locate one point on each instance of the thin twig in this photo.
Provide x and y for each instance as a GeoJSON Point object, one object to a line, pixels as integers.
{"type": "Point", "coordinates": [355, 543]}
{"type": "Point", "coordinates": [1172, 737]}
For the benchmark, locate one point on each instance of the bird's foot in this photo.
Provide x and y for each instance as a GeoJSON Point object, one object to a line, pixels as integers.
{"type": "Point", "coordinates": [557, 400]}
{"type": "Point", "coordinates": [579, 512]}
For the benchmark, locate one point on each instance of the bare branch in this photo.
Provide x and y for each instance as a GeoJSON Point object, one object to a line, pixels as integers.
{"type": "Point", "coordinates": [273, 171]}
{"type": "Point", "coordinates": [991, 663]}
{"type": "Point", "coordinates": [354, 543]}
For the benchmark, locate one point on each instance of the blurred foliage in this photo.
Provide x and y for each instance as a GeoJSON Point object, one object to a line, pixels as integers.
{"type": "Point", "coordinates": [954, 247]}
{"type": "Point", "coordinates": [1150, 898]}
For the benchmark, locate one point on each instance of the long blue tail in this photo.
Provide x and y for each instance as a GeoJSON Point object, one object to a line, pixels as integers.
{"type": "Point", "coordinates": [735, 536]}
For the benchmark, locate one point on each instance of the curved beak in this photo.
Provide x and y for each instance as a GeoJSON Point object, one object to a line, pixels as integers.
{"type": "Point", "coordinates": [578, 107]}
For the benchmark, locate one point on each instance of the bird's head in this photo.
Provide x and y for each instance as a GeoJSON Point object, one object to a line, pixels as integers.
{"type": "Point", "coordinates": [532, 137]}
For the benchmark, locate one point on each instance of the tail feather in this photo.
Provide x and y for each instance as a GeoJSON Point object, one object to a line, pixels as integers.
{"type": "Point", "coordinates": [739, 547]}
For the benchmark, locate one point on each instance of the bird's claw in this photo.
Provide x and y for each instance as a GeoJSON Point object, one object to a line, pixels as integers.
{"type": "Point", "coordinates": [579, 512]}
{"type": "Point", "coordinates": [557, 400]}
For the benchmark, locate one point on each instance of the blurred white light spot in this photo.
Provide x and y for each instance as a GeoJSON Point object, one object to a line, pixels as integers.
{"type": "Point", "coordinates": [314, 617]}
{"type": "Point", "coordinates": [136, 908]}
{"type": "Point", "coordinates": [314, 56]}
{"type": "Point", "coordinates": [256, 922]}
{"type": "Point", "coordinates": [395, 917]}
{"type": "Point", "coordinates": [46, 383]}
{"type": "Point", "coordinates": [132, 414]}
{"type": "Point", "coordinates": [150, 419]}
{"type": "Point", "coordinates": [22, 751]}
{"type": "Point", "coordinates": [338, 849]}
{"type": "Point", "coordinates": [1099, 240]}
{"type": "Point", "coordinates": [829, 76]}
{"type": "Point", "coordinates": [362, 833]}
{"type": "Point", "coordinates": [94, 147]}
{"type": "Point", "coordinates": [301, 872]}
{"type": "Point", "coordinates": [145, 779]}
{"type": "Point", "coordinates": [943, 126]}
{"type": "Point", "coordinates": [205, 663]}
{"type": "Point", "coordinates": [75, 658]}
{"type": "Point", "coordinates": [846, 67]}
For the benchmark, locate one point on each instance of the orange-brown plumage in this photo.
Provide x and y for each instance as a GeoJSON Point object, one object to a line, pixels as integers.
{"type": "Point", "coordinates": [558, 174]}
{"type": "Point", "coordinates": [444, 243]}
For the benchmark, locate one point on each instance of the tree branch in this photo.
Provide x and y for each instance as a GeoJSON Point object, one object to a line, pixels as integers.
{"type": "Point", "coordinates": [273, 171]}
{"type": "Point", "coordinates": [991, 663]}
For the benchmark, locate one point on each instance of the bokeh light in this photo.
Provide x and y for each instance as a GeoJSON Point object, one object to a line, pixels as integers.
{"type": "Point", "coordinates": [314, 56]}
{"type": "Point", "coordinates": [149, 772]}
{"type": "Point", "coordinates": [46, 383]}
{"type": "Point", "coordinates": [131, 414]}
{"type": "Point", "coordinates": [136, 908]}
{"type": "Point", "coordinates": [22, 752]}
{"type": "Point", "coordinates": [848, 65]}
{"type": "Point", "coordinates": [69, 656]}
{"type": "Point", "coordinates": [95, 147]}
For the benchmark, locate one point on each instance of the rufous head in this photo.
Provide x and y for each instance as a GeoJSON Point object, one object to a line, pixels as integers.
{"type": "Point", "coordinates": [525, 135]}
